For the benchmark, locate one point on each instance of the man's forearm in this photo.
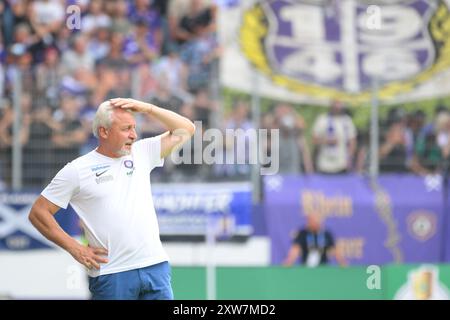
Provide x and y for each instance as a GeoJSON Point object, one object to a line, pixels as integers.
{"type": "Point", "coordinates": [171, 120]}
{"type": "Point", "coordinates": [49, 228]}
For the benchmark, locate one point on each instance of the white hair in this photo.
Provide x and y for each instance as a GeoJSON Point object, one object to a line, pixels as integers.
{"type": "Point", "coordinates": [103, 117]}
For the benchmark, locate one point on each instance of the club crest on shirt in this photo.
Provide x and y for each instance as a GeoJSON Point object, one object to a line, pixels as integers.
{"type": "Point", "coordinates": [129, 165]}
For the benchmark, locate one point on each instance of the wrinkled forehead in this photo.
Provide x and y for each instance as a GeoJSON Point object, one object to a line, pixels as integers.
{"type": "Point", "coordinates": [122, 117]}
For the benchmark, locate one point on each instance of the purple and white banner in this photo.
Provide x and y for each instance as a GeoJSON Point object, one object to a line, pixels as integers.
{"type": "Point", "coordinates": [16, 231]}
{"type": "Point", "coordinates": [397, 221]}
{"type": "Point", "coordinates": [314, 51]}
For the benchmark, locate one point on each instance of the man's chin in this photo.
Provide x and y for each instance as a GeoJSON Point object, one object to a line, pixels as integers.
{"type": "Point", "coordinates": [123, 153]}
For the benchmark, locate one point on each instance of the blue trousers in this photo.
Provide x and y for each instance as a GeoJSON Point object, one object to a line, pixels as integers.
{"type": "Point", "coordinates": [148, 283]}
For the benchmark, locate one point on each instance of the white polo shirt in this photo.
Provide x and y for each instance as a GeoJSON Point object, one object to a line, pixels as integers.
{"type": "Point", "coordinates": [113, 198]}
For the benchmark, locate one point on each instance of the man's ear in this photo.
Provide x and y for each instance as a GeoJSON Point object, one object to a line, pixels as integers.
{"type": "Point", "coordinates": [103, 132]}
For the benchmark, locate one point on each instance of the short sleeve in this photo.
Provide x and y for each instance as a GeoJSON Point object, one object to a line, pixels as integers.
{"type": "Point", "coordinates": [63, 186]}
{"type": "Point", "coordinates": [150, 150]}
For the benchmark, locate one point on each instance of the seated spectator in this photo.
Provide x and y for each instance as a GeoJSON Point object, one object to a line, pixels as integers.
{"type": "Point", "coordinates": [314, 244]}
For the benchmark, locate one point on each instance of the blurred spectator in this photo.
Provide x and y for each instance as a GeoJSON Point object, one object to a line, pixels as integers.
{"type": "Point", "coordinates": [430, 127]}
{"type": "Point", "coordinates": [78, 57]}
{"type": "Point", "coordinates": [7, 131]}
{"type": "Point", "coordinates": [95, 18]}
{"type": "Point", "coordinates": [433, 147]}
{"type": "Point", "coordinates": [141, 46]}
{"type": "Point", "coordinates": [293, 149]}
{"type": "Point", "coordinates": [203, 107]}
{"type": "Point", "coordinates": [416, 122]}
{"type": "Point", "coordinates": [174, 71]}
{"type": "Point", "coordinates": [20, 58]}
{"type": "Point", "coordinates": [164, 97]}
{"type": "Point", "coordinates": [48, 78]}
{"type": "Point", "coordinates": [334, 136]}
{"type": "Point", "coordinates": [78, 67]}
{"type": "Point", "coordinates": [236, 146]}
{"type": "Point", "coordinates": [63, 40]}
{"type": "Point", "coordinates": [38, 158]}
{"type": "Point", "coordinates": [99, 43]}
{"type": "Point", "coordinates": [46, 17]}
{"type": "Point", "coordinates": [113, 72]}
{"type": "Point", "coordinates": [414, 126]}
{"type": "Point", "coordinates": [14, 13]}
{"type": "Point", "coordinates": [314, 244]}
{"type": "Point", "coordinates": [2, 70]}
{"type": "Point", "coordinates": [393, 151]}
{"type": "Point", "coordinates": [141, 10]}
{"type": "Point", "coordinates": [70, 135]}
{"type": "Point", "coordinates": [114, 59]}
{"type": "Point", "coordinates": [200, 55]}
{"type": "Point", "coordinates": [190, 19]}
{"type": "Point", "coordinates": [188, 172]}
{"type": "Point", "coordinates": [119, 13]}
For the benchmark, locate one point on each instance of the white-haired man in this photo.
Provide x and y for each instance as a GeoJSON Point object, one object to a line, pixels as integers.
{"type": "Point", "coordinates": [109, 188]}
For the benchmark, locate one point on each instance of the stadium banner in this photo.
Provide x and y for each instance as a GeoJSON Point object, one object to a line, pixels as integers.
{"type": "Point", "coordinates": [16, 231]}
{"type": "Point", "coordinates": [192, 210]}
{"type": "Point", "coordinates": [314, 51]}
{"type": "Point", "coordinates": [185, 211]}
{"type": "Point", "coordinates": [398, 220]}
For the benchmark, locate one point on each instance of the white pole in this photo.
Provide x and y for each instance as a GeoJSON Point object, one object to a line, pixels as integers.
{"type": "Point", "coordinates": [256, 115]}
{"type": "Point", "coordinates": [210, 260]}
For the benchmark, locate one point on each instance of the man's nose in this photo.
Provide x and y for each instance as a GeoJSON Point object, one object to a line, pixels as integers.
{"type": "Point", "coordinates": [133, 134]}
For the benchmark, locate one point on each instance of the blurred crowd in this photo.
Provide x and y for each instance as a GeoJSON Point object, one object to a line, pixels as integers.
{"type": "Point", "coordinates": [408, 142]}
{"type": "Point", "coordinates": [164, 52]}
{"type": "Point", "coordinates": [167, 53]}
